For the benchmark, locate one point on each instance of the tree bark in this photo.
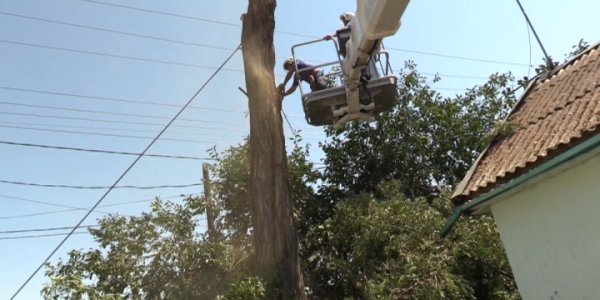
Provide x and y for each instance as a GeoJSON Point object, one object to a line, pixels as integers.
{"type": "Point", "coordinates": [274, 232]}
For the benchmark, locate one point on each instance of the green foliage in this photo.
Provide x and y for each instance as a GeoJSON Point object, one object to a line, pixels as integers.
{"type": "Point", "coordinates": [331, 80]}
{"type": "Point", "coordinates": [368, 223]}
{"type": "Point", "coordinates": [389, 249]}
{"type": "Point", "coordinates": [250, 288]}
{"type": "Point", "coordinates": [545, 66]}
{"type": "Point", "coordinates": [424, 142]}
{"type": "Point", "coordinates": [501, 130]}
{"type": "Point", "coordinates": [158, 255]}
{"type": "Point", "coordinates": [577, 49]}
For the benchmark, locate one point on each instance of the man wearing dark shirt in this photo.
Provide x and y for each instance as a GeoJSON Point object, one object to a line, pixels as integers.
{"type": "Point", "coordinates": [313, 76]}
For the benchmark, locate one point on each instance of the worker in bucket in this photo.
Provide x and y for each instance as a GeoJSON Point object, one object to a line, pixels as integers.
{"type": "Point", "coordinates": [346, 19]}
{"type": "Point", "coordinates": [313, 76]}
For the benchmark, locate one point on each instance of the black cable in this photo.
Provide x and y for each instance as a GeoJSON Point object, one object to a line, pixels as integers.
{"type": "Point", "coordinates": [122, 122]}
{"type": "Point", "coordinates": [39, 236]}
{"type": "Point", "coordinates": [45, 229]}
{"type": "Point", "coordinates": [119, 32]}
{"type": "Point", "coordinates": [45, 203]}
{"type": "Point", "coordinates": [120, 56]}
{"type": "Point", "coordinates": [186, 17]}
{"type": "Point", "coordinates": [288, 121]}
{"type": "Point", "coordinates": [233, 70]}
{"type": "Point", "coordinates": [115, 129]}
{"type": "Point", "coordinates": [124, 173]}
{"type": "Point", "coordinates": [460, 57]}
{"type": "Point", "coordinates": [549, 62]}
{"type": "Point", "coordinates": [113, 135]}
{"type": "Point", "coordinates": [112, 113]}
{"type": "Point", "coordinates": [108, 55]}
{"type": "Point", "coordinates": [78, 208]}
{"type": "Point", "coordinates": [115, 99]}
{"type": "Point", "coordinates": [284, 32]}
{"type": "Point", "coordinates": [529, 39]}
{"type": "Point", "coordinates": [102, 151]}
{"type": "Point", "coordinates": [116, 31]}
{"type": "Point", "coordinates": [100, 187]}
{"type": "Point", "coordinates": [208, 46]}
{"type": "Point", "coordinates": [46, 116]}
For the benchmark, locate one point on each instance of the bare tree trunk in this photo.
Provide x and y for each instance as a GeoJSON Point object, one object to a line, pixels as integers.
{"type": "Point", "coordinates": [275, 236]}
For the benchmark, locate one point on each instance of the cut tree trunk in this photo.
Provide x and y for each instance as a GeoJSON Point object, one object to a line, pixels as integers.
{"type": "Point", "coordinates": [274, 232]}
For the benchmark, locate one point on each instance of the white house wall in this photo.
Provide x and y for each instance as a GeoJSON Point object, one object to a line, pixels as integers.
{"type": "Point", "coordinates": [551, 233]}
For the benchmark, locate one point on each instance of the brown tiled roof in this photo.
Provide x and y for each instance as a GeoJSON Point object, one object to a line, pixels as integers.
{"type": "Point", "coordinates": [553, 115]}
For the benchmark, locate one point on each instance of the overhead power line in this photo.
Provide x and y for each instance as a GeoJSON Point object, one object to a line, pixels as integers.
{"type": "Point", "coordinates": [186, 17]}
{"type": "Point", "coordinates": [110, 113]}
{"type": "Point", "coordinates": [79, 208]}
{"type": "Point", "coordinates": [459, 57]}
{"type": "Point", "coordinates": [116, 99]}
{"type": "Point", "coordinates": [108, 55]}
{"type": "Point", "coordinates": [116, 31]}
{"type": "Point", "coordinates": [39, 236]}
{"type": "Point", "coordinates": [116, 129]}
{"type": "Point", "coordinates": [113, 135]}
{"type": "Point", "coordinates": [113, 113]}
{"type": "Point", "coordinates": [45, 229]}
{"type": "Point", "coordinates": [103, 151]}
{"type": "Point", "coordinates": [288, 33]}
{"type": "Point", "coordinates": [44, 203]}
{"type": "Point", "coordinates": [125, 173]}
{"type": "Point", "coordinates": [219, 47]}
{"type": "Point", "coordinates": [100, 187]}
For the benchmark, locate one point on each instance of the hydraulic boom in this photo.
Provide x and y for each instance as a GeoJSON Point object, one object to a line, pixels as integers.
{"type": "Point", "coordinates": [373, 21]}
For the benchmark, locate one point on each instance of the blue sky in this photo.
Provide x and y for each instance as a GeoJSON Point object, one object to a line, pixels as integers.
{"type": "Point", "coordinates": [487, 30]}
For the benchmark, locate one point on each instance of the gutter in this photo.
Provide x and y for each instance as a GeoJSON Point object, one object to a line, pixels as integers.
{"type": "Point", "coordinates": [578, 150]}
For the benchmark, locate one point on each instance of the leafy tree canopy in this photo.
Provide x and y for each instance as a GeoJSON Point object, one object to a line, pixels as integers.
{"type": "Point", "coordinates": [368, 221]}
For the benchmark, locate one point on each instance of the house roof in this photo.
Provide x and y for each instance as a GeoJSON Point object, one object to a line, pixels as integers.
{"type": "Point", "coordinates": [554, 114]}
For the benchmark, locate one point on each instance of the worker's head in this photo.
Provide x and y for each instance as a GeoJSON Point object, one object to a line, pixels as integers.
{"type": "Point", "coordinates": [289, 64]}
{"type": "Point", "coordinates": [346, 17]}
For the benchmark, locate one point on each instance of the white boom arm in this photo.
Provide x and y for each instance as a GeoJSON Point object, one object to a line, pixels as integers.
{"type": "Point", "coordinates": [373, 21]}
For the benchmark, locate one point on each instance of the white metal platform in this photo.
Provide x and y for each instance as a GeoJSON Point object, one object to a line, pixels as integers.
{"type": "Point", "coordinates": [323, 107]}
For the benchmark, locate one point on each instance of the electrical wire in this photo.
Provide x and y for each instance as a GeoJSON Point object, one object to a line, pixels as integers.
{"type": "Point", "coordinates": [82, 208]}
{"type": "Point", "coordinates": [117, 99]}
{"type": "Point", "coordinates": [292, 33]}
{"type": "Point", "coordinates": [114, 135]}
{"type": "Point", "coordinates": [186, 17]}
{"type": "Point", "coordinates": [44, 202]}
{"type": "Point", "coordinates": [124, 173]}
{"type": "Point", "coordinates": [39, 236]}
{"type": "Point", "coordinates": [102, 151]}
{"type": "Point", "coordinates": [459, 57]}
{"type": "Point", "coordinates": [110, 113]}
{"type": "Point", "coordinates": [45, 229]}
{"type": "Point", "coordinates": [529, 39]}
{"type": "Point", "coordinates": [107, 55]}
{"type": "Point", "coordinates": [79, 187]}
{"type": "Point", "coordinates": [116, 129]}
{"type": "Point", "coordinates": [119, 32]}
{"type": "Point", "coordinates": [223, 48]}
{"type": "Point", "coordinates": [115, 31]}
{"type": "Point", "coordinates": [207, 67]}
{"type": "Point", "coordinates": [46, 116]}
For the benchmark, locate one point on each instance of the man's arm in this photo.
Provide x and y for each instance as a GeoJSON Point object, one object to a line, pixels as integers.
{"type": "Point", "coordinates": [288, 76]}
{"type": "Point", "coordinates": [290, 91]}
{"type": "Point", "coordinates": [330, 36]}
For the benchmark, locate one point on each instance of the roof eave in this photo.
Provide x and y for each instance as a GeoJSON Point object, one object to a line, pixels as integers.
{"type": "Point", "coordinates": [460, 192]}
{"type": "Point", "coordinates": [569, 155]}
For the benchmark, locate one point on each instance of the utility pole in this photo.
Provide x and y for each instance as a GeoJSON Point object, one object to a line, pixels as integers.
{"type": "Point", "coordinates": [207, 195]}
